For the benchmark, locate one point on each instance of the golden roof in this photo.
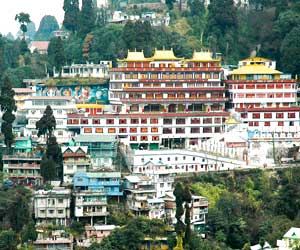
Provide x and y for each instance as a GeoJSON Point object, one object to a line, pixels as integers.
{"type": "Point", "coordinates": [256, 59]}
{"type": "Point", "coordinates": [134, 56]}
{"type": "Point", "coordinates": [255, 69]}
{"type": "Point", "coordinates": [89, 105]}
{"type": "Point", "coordinates": [167, 55]}
{"type": "Point", "coordinates": [231, 120]}
{"type": "Point", "coordinates": [203, 56]}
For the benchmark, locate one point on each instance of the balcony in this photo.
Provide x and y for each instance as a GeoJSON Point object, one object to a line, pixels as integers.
{"type": "Point", "coordinates": [21, 166]}
{"type": "Point", "coordinates": [80, 202]}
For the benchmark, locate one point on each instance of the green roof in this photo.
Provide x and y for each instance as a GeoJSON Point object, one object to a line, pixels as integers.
{"type": "Point", "coordinates": [104, 174]}
{"type": "Point", "coordinates": [95, 138]}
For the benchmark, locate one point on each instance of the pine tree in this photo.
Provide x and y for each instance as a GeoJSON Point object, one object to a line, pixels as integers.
{"type": "Point", "coordinates": [71, 18]}
{"type": "Point", "coordinates": [8, 106]}
{"type": "Point", "coordinates": [56, 53]}
{"type": "Point", "coordinates": [87, 17]}
{"type": "Point", "coordinates": [46, 124]}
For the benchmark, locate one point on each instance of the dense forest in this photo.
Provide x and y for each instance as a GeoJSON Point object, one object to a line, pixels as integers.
{"type": "Point", "coordinates": [267, 28]}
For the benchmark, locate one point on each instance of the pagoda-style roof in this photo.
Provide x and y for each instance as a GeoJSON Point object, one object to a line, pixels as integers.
{"type": "Point", "coordinates": [256, 59]}
{"type": "Point", "coordinates": [203, 56]}
{"type": "Point", "coordinates": [166, 55]}
{"type": "Point", "coordinates": [255, 69]}
{"type": "Point", "coordinates": [134, 56]}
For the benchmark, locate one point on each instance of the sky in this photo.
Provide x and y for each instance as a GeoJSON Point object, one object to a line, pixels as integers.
{"type": "Point", "coordinates": [35, 8]}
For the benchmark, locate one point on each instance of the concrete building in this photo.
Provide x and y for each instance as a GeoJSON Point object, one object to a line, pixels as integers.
{"type": "Point", "coordinates": [199, 211]}
{"type": "Point", "coordinates": [40, 46]}
{"type": "Point", "coordinates": [100, 70]}
{"type": "Point", "coordinates": [101, 148]}
{"type": "Point", "coordinates": [90, 206]}
{"type": "Point", "coordinates": [75, 159]}
{"type": "Point", "coordinates": [22, 168]}
{"type": "Point", "coordinates": [290, 240]}
{"type": "Point", "coordinates": [104, 181]}
{"type": "Point", "coordinates": [61, 106]}
{"type": "Point", "coordinates": [139, 190]}
{"type": "Point", "coordinates": [57, 239]}
{"type": "Point", "coordinates": [52, 206]}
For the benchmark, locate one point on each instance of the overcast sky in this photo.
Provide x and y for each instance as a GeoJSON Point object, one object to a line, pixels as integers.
{"type": "Point", "coordinates": [35, 8]}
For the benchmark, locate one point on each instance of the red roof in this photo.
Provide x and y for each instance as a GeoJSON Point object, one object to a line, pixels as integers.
{"type": "Point", "coordinates": [39, 45]}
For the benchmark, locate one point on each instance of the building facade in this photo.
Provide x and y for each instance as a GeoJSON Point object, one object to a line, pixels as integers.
{"type": "Point", "coordinates": [52, 206]}
{"type": "Point", "coordinates": [75, 159]}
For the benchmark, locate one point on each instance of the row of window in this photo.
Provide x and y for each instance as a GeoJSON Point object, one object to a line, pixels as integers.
{"type": "Point", "coordinates": [270, 115]}
{"type": "Point", "coordinates": [165, 85]}
{"type": "Point", "coordinates": [263, 95]}
{"type": "Point", "coordinates": [170, 76]}
{"type": "Point", "coordinates": [166, 121]}
{"type": "Point", "coordinates": [268, 124]}
{"type": "Point", "coordinates": [262, 86]}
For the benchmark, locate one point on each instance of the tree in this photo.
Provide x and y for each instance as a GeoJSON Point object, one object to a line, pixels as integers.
{"type": "Point", "coordinates": [71, 18]}
{"type": "Point", "coordinates": [290, 50]}
{"type": "Point", "coordinates": [87, 17]}
{"type": "Point", "coordinates": [47, 168]}
{"type": "Point", "coordinates": [53, 153]}
{"type": "Point", "coordinates": [29, 233]}
{"type": "Point", "coordinates": [8, 240]}
{"type": "Point", "coordinates": [48, 24]}
{"type": "Point", "coordinates": [8, 106]}
{"type": "Point", "coordinates": [56, 53]}
{"type": "Point", "coordinates": [23, 19]}
{"type": "Point", "coordinates": [179, 227]}
{"type": "Point", "coordinates": [187, 198]}
{"type": "Point", "coordinates": [46, 124]}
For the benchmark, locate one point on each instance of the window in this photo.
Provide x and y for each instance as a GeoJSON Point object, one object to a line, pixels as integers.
{"type": "Point", "coordinates": [167, 121]}
{"type": "Point", "coordinates": [133, 130]}
{"type": "Point", "coordinates": [51, 211]}
{"type": "Point", "coordinates": [60, 211]}
{"type": "Point", "coordinates": [195, 121]}
{"type": "Point", "coordinates": [267, 115]}
{"type": "Point", "coordinates": [291, 115]}
{"type": "Point", "coordinates": [133, 138]}
{"type": "Point", "coordinates": [134, 121]}
{"type": "Point", "coordinates": [195, 130]}
{"type": "Point", "coordinates": [87, 130]}
{"type": "Point", "coordinates": [180, 121]}
{"type": "Point", "coordinates": [84, 121]}
{"type": "Point", "coordinates": [167, 131]}
{"type": "Point", "coordinates": [207, 130]}
{"type": "Point", "coordinates": [154, 121]}
{"type": "Point", "coordinates": [180, 130]}
{"type": "Point", "coordinates": [154, 130]}
{"type": "Point", "coordinates": [256, 115]}
{"type": "Point", "coordinates": [144, 130]}
{"type": "Point", "coordinates": [99, 130]}
{"type": "Point", "coordinates": [207, 120]}
{"type": "Point", "coordinates": [122, 121]}
{"type": "Point", "coordinates": [111, 130]}
{"type": "Point", "coordinates": [109, 121]}
{"type": "Point", "coordinates": [122, 130]}
{"type": "Point", "coordinates": [280, 124]}
{"type": "Point", "coordinates": [60, 132]}
{"type": "Point", "coordinates": [144, 138]}
{"type": "Point", "coordinates": [60, 201]}
{"type": "Point", "coordinates": [279, 115]}
{"type": "Point", "coordinates": [96, 121]}
{"type": "Point", "coordinates": [143, 121]}
{"type": "Point", "coordinates": [155, 138]}
{"type": "Point", "coordinates": [267, 124]}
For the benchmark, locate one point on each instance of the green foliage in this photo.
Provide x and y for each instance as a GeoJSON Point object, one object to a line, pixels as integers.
{"type": "Point", "coordinates": [48, 24]}
{"type": "Point", "coordinates": [212, 192]}
{"type": "Point", "coordinates": [29, 234]}
{"type": "Point", "coordinates": [8, 105]}
{"type": "Point", "coordinates": [56, 53]}
{"type": "Point", "coordinates": [8, 240]}
{"type": "Point", "coordinates": [71, 8]}
{"type": "Point", "coordinates": [132, 235]}
{"type": "Point", "coordinates": [46, 124]}
{"type": "Point", "coordinates": [23, 19]}
{"type": "Point", "coordinates": [87, 17]}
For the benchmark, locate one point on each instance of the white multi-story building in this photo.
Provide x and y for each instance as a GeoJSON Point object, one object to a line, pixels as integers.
{"type": "Point", "coordinates": [290, 240]}
{"type": "Point", "coordinates": [91, 205]}
{"type": "Point", "coordinates": [199, 211]}
{"type": "Point", "coordinates": [265, 99]}
{"type": "Point", "coordinates": [157, 208]}
{"type": "Point", "coordinates": [177, 161]}
{"type": "Point", "coordinates": [100, 70]}
{"type": "Point", "coordinates": [52, 206]}
{"type": "Point", "coordinates": [60, 105]}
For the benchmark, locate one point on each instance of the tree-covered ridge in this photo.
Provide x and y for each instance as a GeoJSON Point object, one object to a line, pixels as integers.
{"type": "Point", "coordinates": [250, 206]}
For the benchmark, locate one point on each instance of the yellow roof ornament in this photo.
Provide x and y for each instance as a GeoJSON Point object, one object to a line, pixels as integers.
{"type": "Point", "coordinates": [231, 120]}
{"type": "Point", "coordinates": [255, 69]}
{"type": "Point", "coordinates": [166, 55]}
{"type": "Point", "coordinates": [134, 56]}
{"type": "Point", "coordinates": [203, 56]}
